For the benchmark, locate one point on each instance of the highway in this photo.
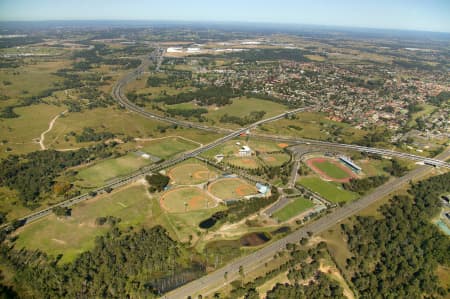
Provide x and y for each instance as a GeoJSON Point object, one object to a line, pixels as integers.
{"type": "Point", "coordinates": [372, 150]}
{"type": "Point", "coordinates": [213, 281]}
{"type": "Point", "coordinates": [119, 96]}
{"type": "Point", "coordinates": [146, 170]}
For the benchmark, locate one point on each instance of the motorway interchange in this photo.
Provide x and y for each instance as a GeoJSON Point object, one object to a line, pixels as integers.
{"type": "Point", "coordinates": [215, 279]}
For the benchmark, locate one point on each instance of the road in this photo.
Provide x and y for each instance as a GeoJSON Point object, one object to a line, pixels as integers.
{"type": "Point", "coordinates": [213, 281]}
{"type": "Point", "coordinates": [373, 150]}
{"type": "Point", "coordinates": [146, 170]}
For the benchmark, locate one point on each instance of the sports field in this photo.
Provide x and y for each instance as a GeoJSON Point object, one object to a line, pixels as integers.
{"type": "Point", "coordinates": [244, 162]}
{"type": "Point", "coordinates": [167, 147]}
{"type": "Point", "coordinates": [328, 190]}
{"type": "Point", "coordinates": [184, 199]}
{"type": "Point", "coordinates": [190, 174]}
{"type": "Point", "coordinates": [99, 173]}
{"type": "Point", "coordinates": [75, 234]}
{"type": "Point", "coordinates": [292, 209]}
{"type": "Point", "coordinates": [330, 169]}
{"type": "Point", "coordinates": [231, 188]}
{"type": "Point", "coordinates": [275, 159]}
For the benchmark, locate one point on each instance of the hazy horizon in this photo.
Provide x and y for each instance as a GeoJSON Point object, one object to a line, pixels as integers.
{"type": "Point", "coordinates": [414, 15]}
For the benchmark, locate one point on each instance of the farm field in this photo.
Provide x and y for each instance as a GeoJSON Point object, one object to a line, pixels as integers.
{"type": "Point", "coordinates": [328, 190]}
{"type": "Point", "coordinates": [294, 208]}
{"type": "Point", "coordinates": [231, 188]}
{"type": "Point", "coordinates": [190, 174]}
{"type": "Point", "coordinates": [75, 234]}
{"type": "Point", "coordinates": [167, 147]}
{"type": "Point", "coordinates": [99, 173]}
{"type": "Point", "coordinates": [184, 199]}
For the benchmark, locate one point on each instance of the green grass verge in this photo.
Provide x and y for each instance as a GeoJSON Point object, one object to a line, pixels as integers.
{"type": "Point", "coordinates": [292, 209]}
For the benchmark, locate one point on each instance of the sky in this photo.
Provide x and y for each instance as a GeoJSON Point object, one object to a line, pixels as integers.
{"type": "Point", "coordinates": [428, 15]}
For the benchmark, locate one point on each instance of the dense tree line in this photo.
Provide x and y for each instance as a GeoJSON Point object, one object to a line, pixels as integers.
{"type": "Point", "coordinates": [33, 174]}
{"type": "Point", "coordinates": [240, 209]}
{"type": "Point", "coordinates": [269, 54]}
{"type": "Point", "coordinates": [442, 98]}
{"type": "Point", "coordinates": [89, 134]}
{"type": "Point", "coordinates": [396, 168]}
{"type": "Point", "coordinates": [305, 278]}
{"type": "Point", "coordinates": [121, 265]}
{"type": "Point", "coordinates": [213, 95]}
{"type": "Point", "coordinates": [19, 41]}
{"type": "Point", "coordinates": [361, 186]}
{"type": "Point", "coordinates": [197, 112]}
{"type": "Point", "coordinates": [396, 256]}
{"type": "Point", "coordinates": [252, 117]}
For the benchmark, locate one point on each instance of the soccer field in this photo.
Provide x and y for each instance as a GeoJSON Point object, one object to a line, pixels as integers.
{"type": "Point", "coordinates": [329, 191]}
{"type": "Point", "coordinates": [331, 170]}
{"type": "Point", "coordinates": [167, 147]}
{"type": "Point", "coordinates": [99, 173]}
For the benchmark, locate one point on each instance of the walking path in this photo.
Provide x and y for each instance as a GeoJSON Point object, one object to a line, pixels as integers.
{"type": "Point", "coordinates": [50, 127]}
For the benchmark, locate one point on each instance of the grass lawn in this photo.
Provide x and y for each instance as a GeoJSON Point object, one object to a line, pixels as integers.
{"type": "Point", "coordinates": [294, 208]}
{"type": "Point", "coordinates": [331, 170]}
{"type": "Point", "coordinates": [101, 172]}
{"type": "Point", "coordinates": [244, 162]}
{"type": "Point", "coordinates": [232, 188]}
{"type": "Point", "coordinates": [167, 147]}
{"type": "Point", "coordinates": [242, 107]}
{"type": "Point", "coordinates": [75, 234]}
{"type": "Point", "coordinates": [330, 191]}
{"type": "Point", "coordinates": [190, 173]}
{"type": "Point", "coordinates": [183, 199]}
{"type": "Point", "coordinates": [276, 159]}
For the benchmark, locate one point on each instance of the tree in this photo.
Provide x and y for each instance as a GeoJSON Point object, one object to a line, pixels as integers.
{"type": "Point", "coordinates": [62, 211]}
{"type": "Point", "coordinates": [157, 181]}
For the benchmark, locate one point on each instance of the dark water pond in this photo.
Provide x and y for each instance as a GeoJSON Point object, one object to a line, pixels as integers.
{"type": "Point", "coordinates": [254, 239]}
